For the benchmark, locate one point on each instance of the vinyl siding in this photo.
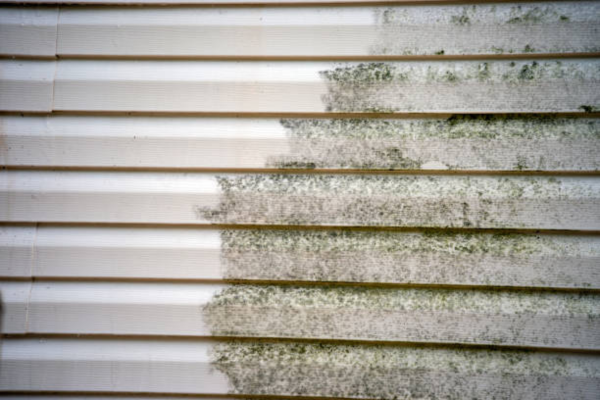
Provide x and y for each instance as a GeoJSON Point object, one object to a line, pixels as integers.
{"type": "Point", "coordinates": [347, 200]}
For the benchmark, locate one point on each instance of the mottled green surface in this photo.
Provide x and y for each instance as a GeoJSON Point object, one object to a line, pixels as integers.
{"type": "Point", "coordinates": [438, 258]}
{"type": "Point", "coordinates": [425, 201]}
{"type": "Point", "coordinates": [401, 372]}
{"type": "Point", "coordinates": [517, 86]}
{"type": "Point", "coordinates": [488, 29]}
{"type": "Point", "coordinates": [462, 142]}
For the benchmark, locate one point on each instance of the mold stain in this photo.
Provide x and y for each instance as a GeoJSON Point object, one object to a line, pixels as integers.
{"type": "Point", "coordinates": [529, 142]}
{"type": "Point", "coordinates": [473, 28]}
{"type": "Point", "coordinates": [390, 87]}
{"type": "Point", "coordinates": [435, 257]}
{"type": "Point", "coordinates": [383, 200]}
{"type": "Point", "coordinates": [359, 371]}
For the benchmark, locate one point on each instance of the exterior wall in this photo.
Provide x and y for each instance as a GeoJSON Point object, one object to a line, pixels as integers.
{"type": "Point", "coordinates": [334, 201]}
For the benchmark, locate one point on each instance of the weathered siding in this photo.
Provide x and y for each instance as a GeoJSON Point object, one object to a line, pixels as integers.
{"type": "Point", "coordinates": [370, 201]}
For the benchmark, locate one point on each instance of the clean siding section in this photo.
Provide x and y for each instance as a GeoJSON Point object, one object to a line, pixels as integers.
{"type": "Point", "coordinates": [28, 31]}
{"type": "Point", "coordinates": [26, 85]}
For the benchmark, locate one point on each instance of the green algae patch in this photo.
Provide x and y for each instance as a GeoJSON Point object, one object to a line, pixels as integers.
{"type": "Point", "coordinates": [395, 86]}
{"type": "Point", "coordinates": [357, 371]}
{"type": "Point", "coordinates": [486, 29]}
{"type": "Point", "coordinates": [461, 142]}
{"type": "Point", "coordinates": [361, 313]}
{"type": "Point", "coordinates": [438, 258]}
{"type": "Point", "coordinates": [424, 201]}
{"type": "Point", "coordinates": [295, 298]}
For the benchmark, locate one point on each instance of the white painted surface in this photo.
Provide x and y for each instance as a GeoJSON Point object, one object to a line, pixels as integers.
{"type": "Point", "coordinates": [14, 297]}
{"type": "Point", "coordinates": [109, 366]}
{"type": "Point", "coordinates": [17, 247]}
{"type": "Point", "coordinates": [28, 31]}
{"type": "Point", "coordinates": [26, 85]}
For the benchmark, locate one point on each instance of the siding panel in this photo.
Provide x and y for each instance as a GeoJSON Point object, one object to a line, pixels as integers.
{"type": "Point", "coordinates": [330, 32]}
{"type": "Point", "coordinates": [28, 31]}
{"type": "Point", "coordinates": [240, 200]}
{"type": "Point", "coordinates": [403, 201]}
{"type": "Point", "coordinates": [413, 258]}
{"type": "Point", "coordinates": [549, 320]}
{"type": "Point", "coordinates": [26, 85]}
{"type": "Point", "coordinates": [478, 143]}
{"type": "Point", "coordinates": [292, 369]}
{"type": "Point", "coordinates": [312, 87]}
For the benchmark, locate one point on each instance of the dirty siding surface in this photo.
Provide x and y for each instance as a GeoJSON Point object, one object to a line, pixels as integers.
{"type": "Point", "coordinates": [341, 201]}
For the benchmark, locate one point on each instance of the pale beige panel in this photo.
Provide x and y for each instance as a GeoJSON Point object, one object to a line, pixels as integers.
{"type": "Point", "coordinates": [26, 85]}
{"type": "Point", "coordinates": [549, 320]}
{"type": "Point", "coordinates": [142, 366]}
{"type": "Point", "coordinates": [105, 197]}
{"type": "Point", "coordinates": [120, 308]}
{"type": "Point", "coordinates": [28, 31]}
{"type": "Point", "coordinates": [147, 253]}
{"type": "Point", "coordinates": [566, 203]}
{"type": "Point", "coordinates": [550, 261]}
{"type": "Point", "coordinates": [292, 369]}
{"type": "Point", "coordinates": [16, 250]}
{"type": "Point", "coordinates": [331, 31]}
{"type": "Point", "coordinates": [150, 142]}
{"type": "Point", "coordinates": [14, 301]}
{"type": "Point", "coordinates": [486, 143]}
{"type": "Point", "coordinates": [314, 87]}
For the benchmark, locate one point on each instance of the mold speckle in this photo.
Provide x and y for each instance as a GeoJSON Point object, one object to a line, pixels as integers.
{"type": "Point", "coordinates": [440, 258]}
{"type": "Point", "coordinates": [486, 29]}
{"type": "Point", "coordinates": [302, 369]}
{"type": "Point", "coordinates": [392, 87]}
{"type": "Point", "coordinates": [425, 201]}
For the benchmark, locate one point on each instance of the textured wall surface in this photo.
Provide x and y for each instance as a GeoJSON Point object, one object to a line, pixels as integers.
{"type": "Point", "coordinates": [355, 200]}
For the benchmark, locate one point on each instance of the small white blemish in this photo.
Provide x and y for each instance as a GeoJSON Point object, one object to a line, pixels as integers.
{"type": "Point", "coordinates": [434, 165]}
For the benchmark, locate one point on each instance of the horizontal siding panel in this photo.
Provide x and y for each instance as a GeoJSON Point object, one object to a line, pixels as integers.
{"type": "Point", "coordinates": [314, 87]}
{"type": "Point", "coordinates": [328, 31]}
{"type": "Point", "coordinates": [26, 85]}
{"type": "Point", "coordinates": [291, 369]}
{"type": "Point", "coordinates": [144, 366]}
{"type": "Point", "coordinates": [28, 31]}
{"type": "Point", "coordinates": [481, 143]}
{"type": "Point", "coordinates": [16, 250]}
{"type": "Point", "coordinates": [278, 199]}
{"type": "Point", "coordinates": [549, 320]}
{"type": "Point", "coordinates": [512, 260]}
{"type": "Point", "coordinates": [14, 297]}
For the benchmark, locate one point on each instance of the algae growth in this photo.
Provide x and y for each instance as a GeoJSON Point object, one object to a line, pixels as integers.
{"type": "Point", "coordinates": [461, 142]}
{"type": "Point", "coordinates": [357, 371]}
